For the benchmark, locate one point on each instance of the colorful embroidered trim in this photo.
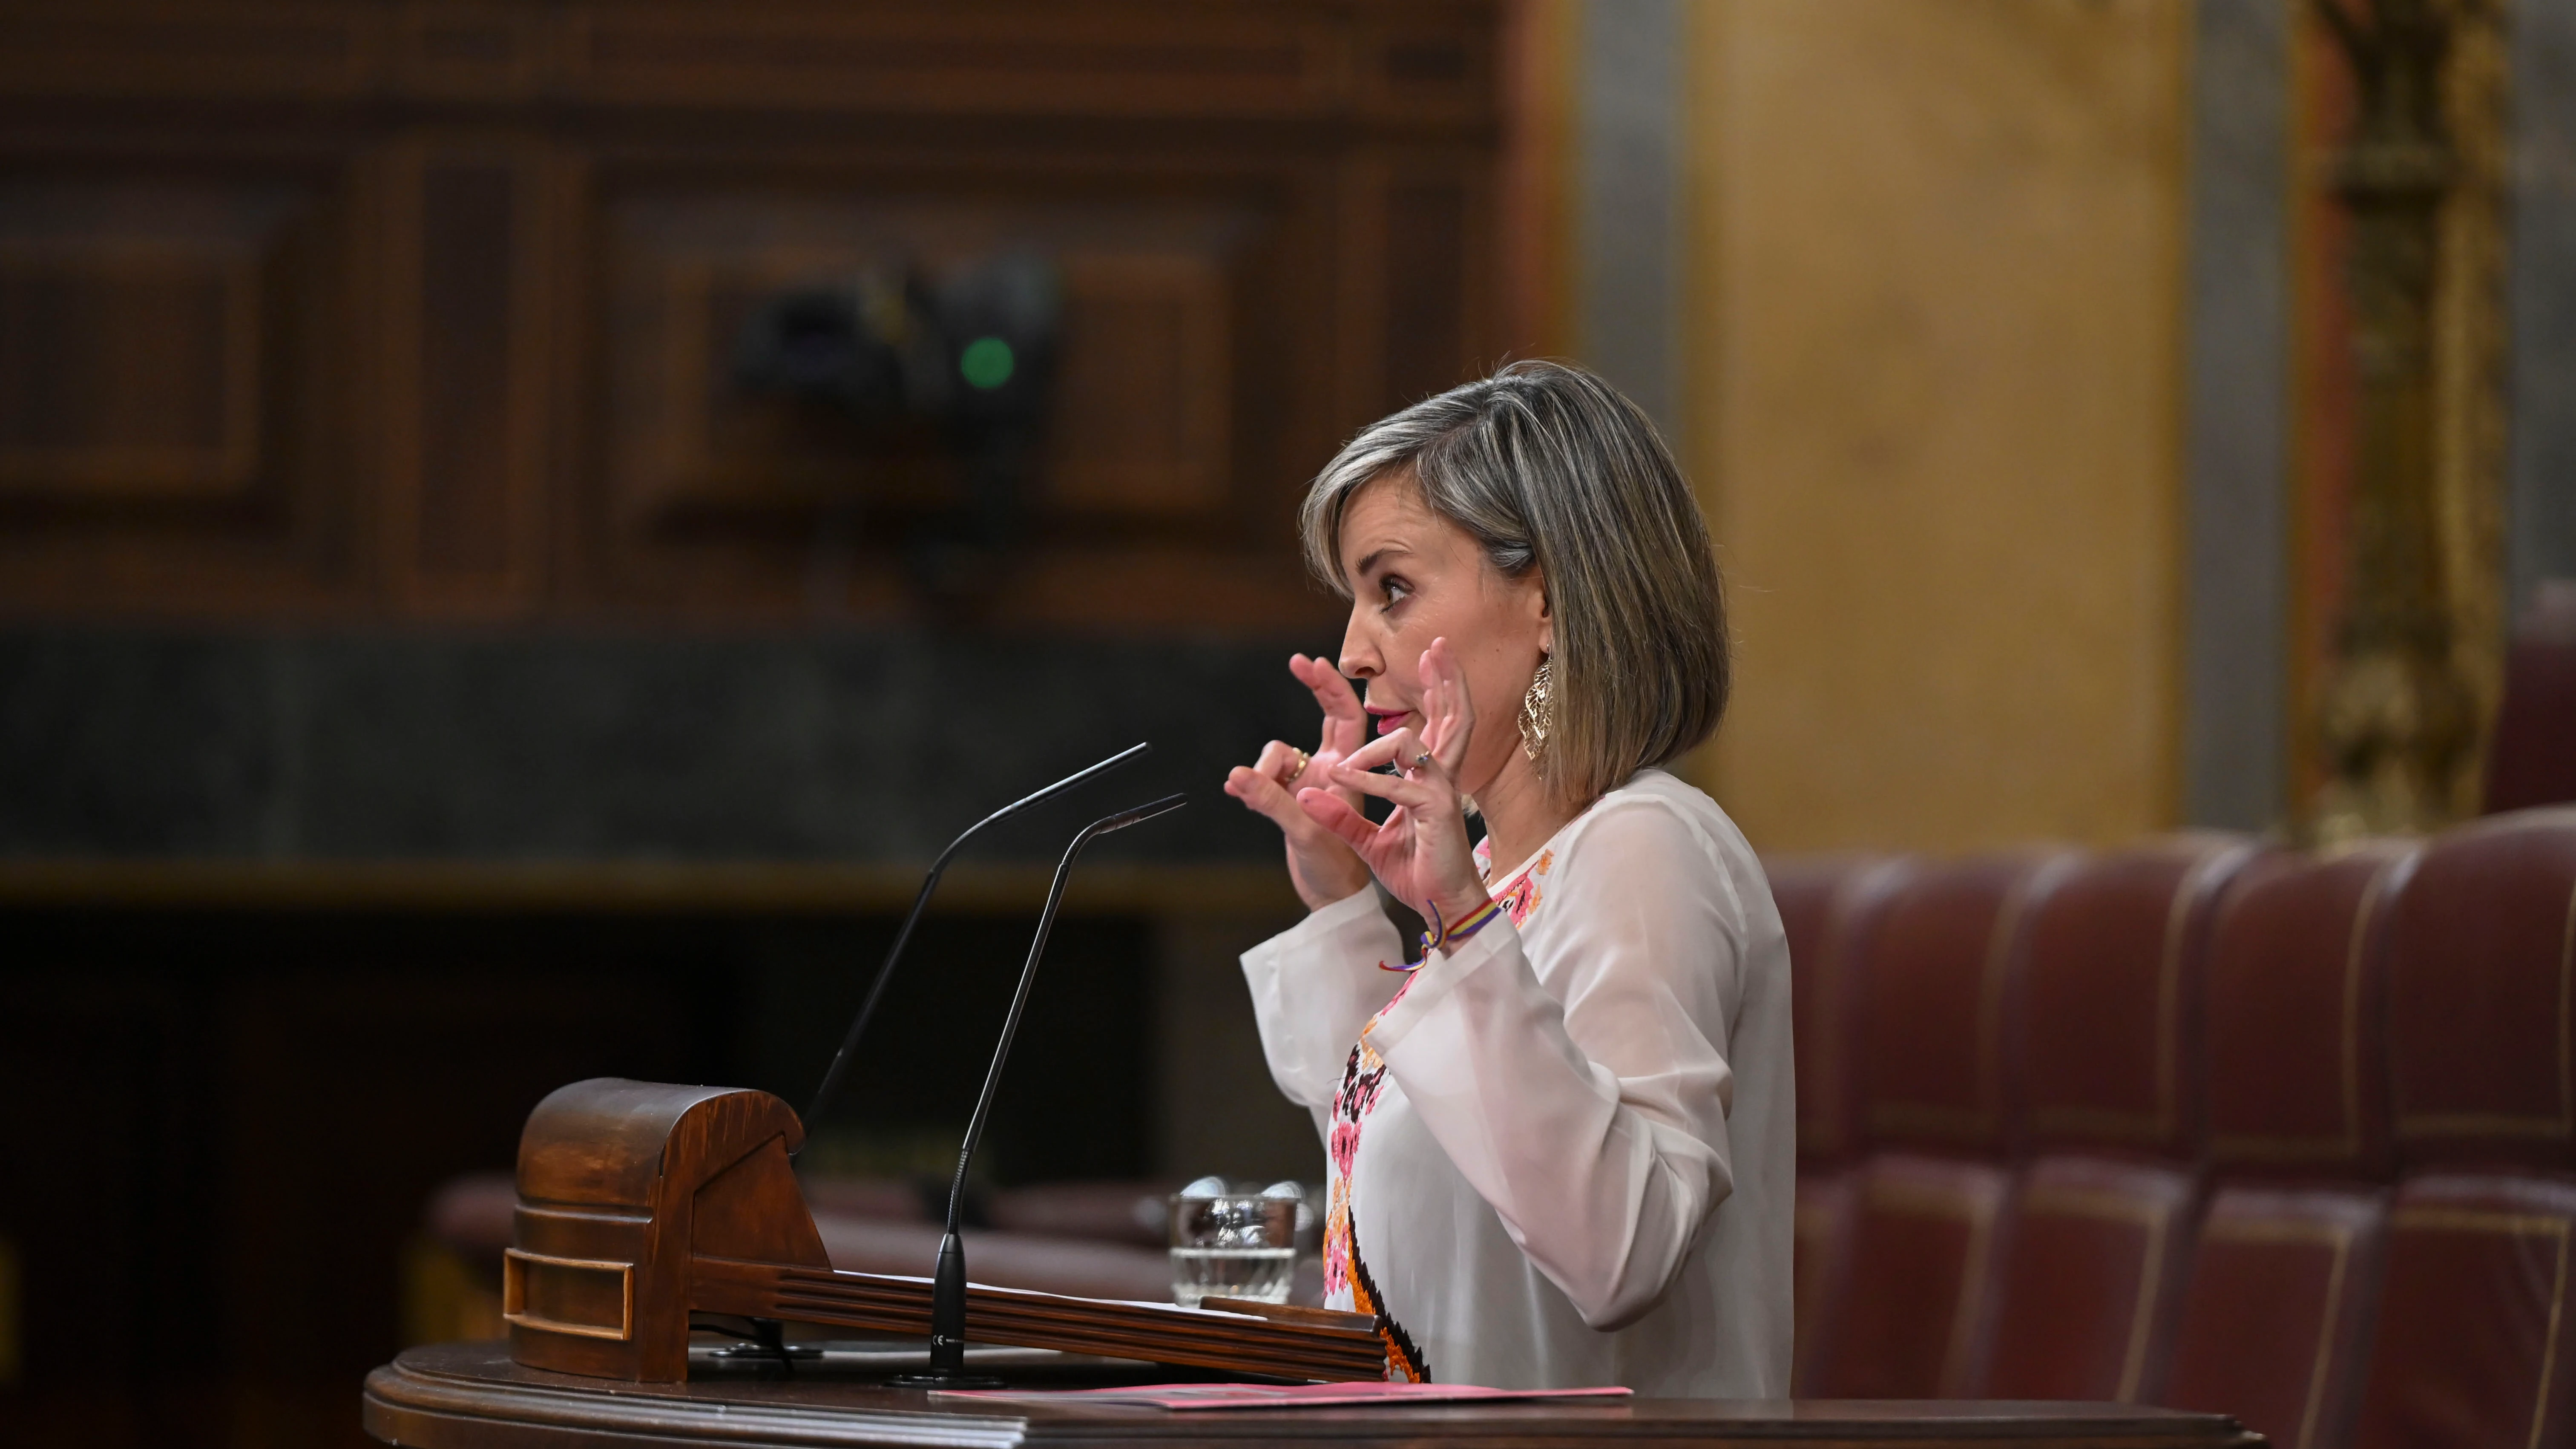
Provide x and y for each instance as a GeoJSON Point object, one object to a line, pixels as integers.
{"type": "Point", "coordinates": [1348, 1284]}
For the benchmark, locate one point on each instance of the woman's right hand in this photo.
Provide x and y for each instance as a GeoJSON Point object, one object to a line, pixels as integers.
{"type": "Point", "coordinates": [1321, 864]}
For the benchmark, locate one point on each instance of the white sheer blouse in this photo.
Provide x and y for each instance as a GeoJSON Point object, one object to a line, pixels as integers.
{"type": "Point", "coordinates": [1563, 1154]}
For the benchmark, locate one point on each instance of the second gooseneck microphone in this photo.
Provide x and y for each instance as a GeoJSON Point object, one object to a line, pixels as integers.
{"type": "Point", "coordinates": [948, 1282]}
{"type": "Point", "coordinates": [930, 883]}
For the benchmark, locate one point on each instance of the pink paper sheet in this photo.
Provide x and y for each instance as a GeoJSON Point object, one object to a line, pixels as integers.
{"type": "Point", "coordinates": [1197, 1397]}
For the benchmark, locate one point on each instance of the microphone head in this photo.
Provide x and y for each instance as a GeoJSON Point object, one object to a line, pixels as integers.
{"type": "Point", "coordinates": [1132, 752]}
{"type": "Point", "coordinates": [1125, 818]}
{"type": "Point", "coordinates": [1136, 751]}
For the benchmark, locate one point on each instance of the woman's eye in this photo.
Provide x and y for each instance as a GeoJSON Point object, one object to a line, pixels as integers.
{"type": "Point", "coordinates": [1395, 589]}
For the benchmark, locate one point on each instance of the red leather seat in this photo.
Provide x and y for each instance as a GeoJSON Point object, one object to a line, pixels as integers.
{"type": "Point", "coordinates": [2296, 1020]}
{"type": "Point", "coordinates": [1908, 1320]}
{"type": "Point", "coordinates": [1828, 907]}
{"type": "Point", "coordinates": [2112, 997]}
{"type": "Point", "coordinates": [2088, 1285]}
{"type": "Point", "coordinates": [1907, 1303]}
{"type": "Point", "coordinates": [2481, 1009]}
{"type": "Point", "coordinates": [1937, 1000]}
{"type": "Point", "coordinates": [2277, 1316]}
{"type": "Point", "coordinates": [1820, 1263]}
{"type": "Point", "coordinates": [2472, 1344]}
{"type": "Point", "coordinates": [2275, 1320]}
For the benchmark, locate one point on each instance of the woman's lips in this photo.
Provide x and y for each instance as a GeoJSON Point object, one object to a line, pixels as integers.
{"type": "Point", "coordinates": [1389, 723]}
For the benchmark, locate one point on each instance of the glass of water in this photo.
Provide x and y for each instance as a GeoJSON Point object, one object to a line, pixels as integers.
{"type": "Point", "coordinates": [1234, 1244]}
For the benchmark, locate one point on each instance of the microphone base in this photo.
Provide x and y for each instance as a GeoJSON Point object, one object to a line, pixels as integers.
{"type": "Point", "coordinates": [946, 1381]}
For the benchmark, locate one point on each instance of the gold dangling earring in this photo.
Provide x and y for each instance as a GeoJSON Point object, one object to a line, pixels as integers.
{"type": "Point", "coordinates": [1538, 711]}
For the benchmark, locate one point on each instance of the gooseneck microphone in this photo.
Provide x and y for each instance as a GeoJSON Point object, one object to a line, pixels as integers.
{"type": "Point", "coordinates": [930, 883]}
{"type": "Point", "coordinates": [948, 1283]}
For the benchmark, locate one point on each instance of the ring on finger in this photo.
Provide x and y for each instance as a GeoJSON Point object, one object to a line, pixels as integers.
{"type": "Point", "coordinates": [1422, 761]}
{"type": "Point", "coordinates": [1303, 760]}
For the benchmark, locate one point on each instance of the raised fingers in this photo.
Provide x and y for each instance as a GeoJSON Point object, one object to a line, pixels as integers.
{"type": "Point", "coordinates": [1283, 762]}
{"type": "Point", "coordinates": [1268, 785]}
{"type": "Point", "coordinates": [1261, 793]}
{"type": "Point", "coordinates": [1435, 699]}
{"type": "Point", "coordinates": [1400, 749]}
{"type": "Point", "coordinates": [1345, 723]}
{"type": "Point", "coordinates": [1305, 832]}
{"type": "Point", "coordinates": [1416, 792]}
{"type": "Point", "coordinates": [1335, 814]}
{"type": "Point", "coordinates": [1446, 679]}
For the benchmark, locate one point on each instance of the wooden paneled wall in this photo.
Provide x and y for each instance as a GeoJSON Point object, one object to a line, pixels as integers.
{"type": "Point", "coordinates": [423, 311]}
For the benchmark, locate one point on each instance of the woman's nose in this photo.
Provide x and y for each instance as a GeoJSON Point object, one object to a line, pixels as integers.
{"type": "Point", "coordinates": [1359, 651]}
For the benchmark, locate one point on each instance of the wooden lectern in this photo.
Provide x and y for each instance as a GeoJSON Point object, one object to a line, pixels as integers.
{"type": "Point", "coordinates": [641, 1202]}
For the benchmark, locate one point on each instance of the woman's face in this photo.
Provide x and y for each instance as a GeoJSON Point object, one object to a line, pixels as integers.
{"type": "Point", "coordinates": [1416, 577]}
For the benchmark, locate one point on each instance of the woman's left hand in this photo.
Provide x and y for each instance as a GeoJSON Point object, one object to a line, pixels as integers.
{"type": "Point", "coordinates": [1420, 854]}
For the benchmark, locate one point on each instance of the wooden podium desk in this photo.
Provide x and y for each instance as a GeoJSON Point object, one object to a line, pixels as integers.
{"type": "Point", "coordinates": [471, 1396]}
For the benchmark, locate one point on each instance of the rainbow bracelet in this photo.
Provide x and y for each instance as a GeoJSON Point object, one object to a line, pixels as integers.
{"type": "Point", "coordinates": [1467, 925]}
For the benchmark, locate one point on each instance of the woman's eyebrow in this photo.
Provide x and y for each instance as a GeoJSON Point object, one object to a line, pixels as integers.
{"type": "Point", "coordinates": [1373, 557]}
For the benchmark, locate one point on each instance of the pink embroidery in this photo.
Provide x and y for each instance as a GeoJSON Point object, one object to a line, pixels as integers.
{"type": "Point", "coordinates": [1344, 1146]}
{"type": "Point", "coordinates": [1520, 897]}
{"type": "Point", "coordinates": [1347, 1282]}
{"type": "Point", "coordinates": [1362, 1075]}
{"type": "Point", "coordinates": [1337, 1254]}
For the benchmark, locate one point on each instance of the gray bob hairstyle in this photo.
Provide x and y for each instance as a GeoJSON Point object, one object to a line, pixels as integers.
{"type": "Point", "coordinates": [1549, 467]}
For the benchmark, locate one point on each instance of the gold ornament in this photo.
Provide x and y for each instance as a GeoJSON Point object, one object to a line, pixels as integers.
{"type": "Point", "coordinates": [1538, 711]}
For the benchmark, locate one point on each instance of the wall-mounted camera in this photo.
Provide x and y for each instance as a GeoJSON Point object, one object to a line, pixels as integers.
{"type": "Point", "coordinates": [970, 354]}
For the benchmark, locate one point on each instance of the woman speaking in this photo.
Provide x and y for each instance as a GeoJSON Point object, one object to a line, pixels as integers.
{"type": "Point", "coordinates": [1562, 1148]}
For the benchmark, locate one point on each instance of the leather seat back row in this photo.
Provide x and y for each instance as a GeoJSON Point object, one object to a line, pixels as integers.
{"type": "Point", "coordinates": [2281, 1136]}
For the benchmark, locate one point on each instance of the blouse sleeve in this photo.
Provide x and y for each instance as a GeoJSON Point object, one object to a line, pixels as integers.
{"type": "Point", "coordinates": [1313, 987]}
{"type": "Point", "coordinates": [1597, 1130]}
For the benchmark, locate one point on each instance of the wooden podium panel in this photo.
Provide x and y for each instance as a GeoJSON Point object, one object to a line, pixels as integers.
{"type": "Point", "coordinates": [472, 1396]}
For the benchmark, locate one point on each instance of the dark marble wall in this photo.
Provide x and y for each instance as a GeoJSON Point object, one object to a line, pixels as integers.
{"type": "Point", "coordinates": [859, 747]}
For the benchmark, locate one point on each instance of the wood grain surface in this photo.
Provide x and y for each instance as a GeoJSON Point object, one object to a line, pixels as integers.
{"type": "Point", "coordinates": [340, 312]}
{"type": "Point", "coordinates": [471, 1396]}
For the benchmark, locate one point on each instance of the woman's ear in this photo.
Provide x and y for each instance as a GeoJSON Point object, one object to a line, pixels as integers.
{"type": "Point", "coordinates": [1546, 616]}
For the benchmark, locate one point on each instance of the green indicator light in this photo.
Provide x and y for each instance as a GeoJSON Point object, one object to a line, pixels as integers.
{"type": "Point", "coordinates": [986, 363]}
